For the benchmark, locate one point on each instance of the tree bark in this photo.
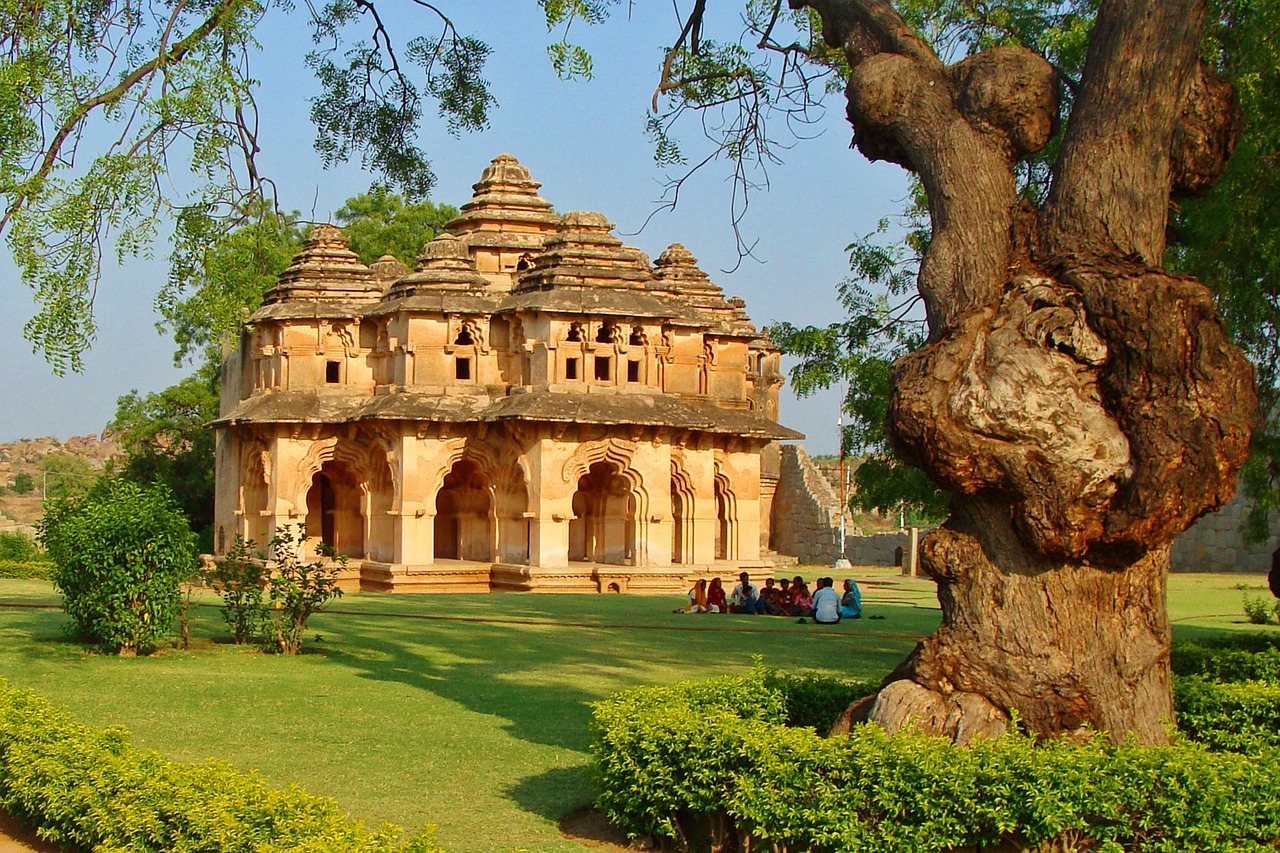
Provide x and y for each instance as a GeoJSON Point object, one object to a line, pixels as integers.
{"type": "Point", "coordinates": [1083, 405]}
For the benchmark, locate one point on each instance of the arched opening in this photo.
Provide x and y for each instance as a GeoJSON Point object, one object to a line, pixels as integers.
{"type": "Point", "coordinates": [681, 518]}
{"type": "Point", "coordinates": [464, 515]}
{"type": "Point", "coordinates": [726, 522]}
{"type": "Point", "coordinates": [333, 510]}
{"type": "Point", "coordinates": [603, 529]}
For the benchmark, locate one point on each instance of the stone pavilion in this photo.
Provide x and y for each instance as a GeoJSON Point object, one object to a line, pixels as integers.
{"type": "Point", "coordinates": [535, 406]}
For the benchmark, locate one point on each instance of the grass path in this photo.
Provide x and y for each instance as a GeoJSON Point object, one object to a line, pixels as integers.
{"type": "Point", "coordinates": [466, 711]}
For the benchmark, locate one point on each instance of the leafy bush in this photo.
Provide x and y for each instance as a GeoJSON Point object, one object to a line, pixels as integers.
{"type": "Point", "coordinates": [1258, 610]}
{"type": "Point", "coordinates": [666, 757]}
{"type": "Point", "coordinates": [25, 570]}
{"type": "Point", "coordinates": [1238, 717]}
{"type": "Point", "coordinates": [19, 547]}
{"type": "Point", "coordinates": [120, 552]}
{"type": "Point", "coordinates": [88, 789]}
{"type": "Point", "coordinates": [239, 578]}
{"type": "Point", "coordinates": [297, 589]}
{"type": "Point", "coordinates": [1233, 657]}
{"type": "Point", "coordinates": [814, 700]}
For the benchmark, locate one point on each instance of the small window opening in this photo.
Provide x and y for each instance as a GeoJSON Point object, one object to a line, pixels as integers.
{"type": "Point", "coordinates": [570, 368]}
{"type": "Point", "coordinates": [633, 371]}
{"type": "Point", "coordinates": [462, 368]}
{"type": "Point", "coordinates": [332, 372]}
{"type": "Point", "coordinates": [602, 368]}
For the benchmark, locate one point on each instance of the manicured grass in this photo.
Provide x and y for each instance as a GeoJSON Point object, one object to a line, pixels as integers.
{"type": "Point", "coordinates": [466, 711]}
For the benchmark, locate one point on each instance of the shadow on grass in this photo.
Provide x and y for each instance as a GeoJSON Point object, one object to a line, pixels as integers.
{"type": "Point", "coordinates": [546, 793]}
{"type": "Point", "coordinates": [542, 678]}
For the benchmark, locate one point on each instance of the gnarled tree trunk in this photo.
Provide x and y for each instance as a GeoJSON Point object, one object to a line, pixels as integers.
{"type": "Point", "coordinates": [1083, 404]}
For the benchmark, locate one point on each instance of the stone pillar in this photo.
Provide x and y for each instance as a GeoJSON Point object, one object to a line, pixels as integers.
{"type": "Point", "coordinates": [911, 565]}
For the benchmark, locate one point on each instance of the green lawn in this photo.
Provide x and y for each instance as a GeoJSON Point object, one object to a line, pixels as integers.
{"type": "Point", "coordinates": [466, 711]}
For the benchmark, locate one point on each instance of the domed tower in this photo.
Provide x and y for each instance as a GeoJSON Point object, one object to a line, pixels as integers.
{"type": "Point", "coordinates": [308, 332]}
{"type": "Point", "coordinates": [434, 323]}
{"type": "Point", "coordinates": [506, 222]}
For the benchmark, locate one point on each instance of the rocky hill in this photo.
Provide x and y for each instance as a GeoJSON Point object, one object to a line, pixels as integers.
{"type": "Point", "coordinates": [31, 457]}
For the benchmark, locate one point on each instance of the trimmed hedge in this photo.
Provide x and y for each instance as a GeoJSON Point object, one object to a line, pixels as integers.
{"type": "Point", "coordinates": [26, 569]}
{"type": "Point", "coordinates": [1230, 658]}
{"type": "Point", "coordinates": [669, 758]}
{"type": "Point", "coordinates": [87, 788]}
{"type": "Point", "coordinates": [1238, 717]}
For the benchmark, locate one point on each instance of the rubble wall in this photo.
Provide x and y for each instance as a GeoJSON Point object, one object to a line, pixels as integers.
{"type": "Point", "coordinates": [1215, 544]}
{"type": "Point", "coordinates": [806, 520]}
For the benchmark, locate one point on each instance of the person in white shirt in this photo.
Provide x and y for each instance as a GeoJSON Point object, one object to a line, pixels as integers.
{"type": "Point", "coordinates": [826, 603]}
{"type": "Point", "coordinates": [745, 597]}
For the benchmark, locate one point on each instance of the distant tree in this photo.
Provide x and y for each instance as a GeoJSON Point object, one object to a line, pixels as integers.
{"type": "Point", "coordinates": [166, 439]}
{"type": "Point", "coordinates": [120, 552]}
{"type": "Point", "coordinates": [218, 273]}
{"type": "Point", "coordinates": [22, 483]}
{"type": "Point", "coordinates": [65, 475]}
{"type": "Point", "coordinates": [381, 223]}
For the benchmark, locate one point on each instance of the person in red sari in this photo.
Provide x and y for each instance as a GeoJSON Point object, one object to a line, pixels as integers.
{"type": "Point", "coordinates": [716, 599]}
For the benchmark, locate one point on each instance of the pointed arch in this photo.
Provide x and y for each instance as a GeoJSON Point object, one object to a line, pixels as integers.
{"type": "Point", "coordinates": [682, 515]}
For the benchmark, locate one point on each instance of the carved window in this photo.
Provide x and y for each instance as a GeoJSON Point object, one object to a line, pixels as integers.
{"type": "Point", "coordinates": [604, 366]}
{"type": "Point", "coordinates": [633, 370]}
{"type": "Point", "coordinates": [462, 368]}
{"type": "Point", "coordinates": [570, 368]}
{"type": "Point", "coordinates": [638, 337]}
{"type": "Point", "coordinates": [575, 333]}
{"type": "Point", "coordinates": [607, 334]}
{"type": "Point", "coordinates": [333, 372]}
{"type": "Point", "coordinates": [465, 337]}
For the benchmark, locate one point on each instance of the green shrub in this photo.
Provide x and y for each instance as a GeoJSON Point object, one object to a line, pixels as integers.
{"type": "Point", "coordinates": [1232, 657]}
{"type": "Point", "coordinates": [120, 552]}
{"type": "Point", "coordinates": [18, 547]}
{"type": "Point", "coordinates": [814, 700]}
{"type": "Point", "coordinates": [1240, 716]}
{"type": "Point", "coordinates": [666, 757]}
{"type": "Point", "coordinates": [1259, 610]}
{"type": "Point", "coordinates": [26, 569]}
{"type": "Point", "coordinates": [88, 789]}
{"type": "Point", "coordinates": [239, 578]}
{"type": "Point", "coordinates": [297, 589]}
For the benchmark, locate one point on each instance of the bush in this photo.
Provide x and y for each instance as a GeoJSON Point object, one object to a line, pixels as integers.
{"type": "Point", "coordinates": [239, 578]}
{"type": "Point", "coordinates": [19, 547]}
{"type": "Point", "coordinates": [120, 552]}
{"type": "Point", "coordinates": [89, 790]}
{"type": "Point", "coordinates": [26, 569]}
{"type": "Point", "coordinates": [1234, 657]}
{"type": "Point", "coordinates": [1238, 717]}
{"type": "Point", "coordinates": [667, 758]}
{"type": "Point", "coordinates": [1258, 610]}
{"type": "Point", "coordinates": [297, 589]}
{"type": "Point", "coordinates": [814, 700]}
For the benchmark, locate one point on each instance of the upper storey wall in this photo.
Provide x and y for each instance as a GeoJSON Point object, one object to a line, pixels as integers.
{"type": "Point", "coordinates": [511, 295]}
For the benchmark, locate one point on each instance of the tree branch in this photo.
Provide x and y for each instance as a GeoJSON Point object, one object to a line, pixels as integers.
{"type": "Point", "coordinates": [221, 13]}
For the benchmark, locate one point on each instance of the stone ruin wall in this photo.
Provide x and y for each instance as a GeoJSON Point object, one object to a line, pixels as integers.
{"type": "Point", "coordinates": [806, 521]}
{"type": "Point", "coordinates": [1215, 544]}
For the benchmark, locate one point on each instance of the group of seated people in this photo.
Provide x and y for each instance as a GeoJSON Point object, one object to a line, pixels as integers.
{"type": "Point", "coordinates": [778, 598]}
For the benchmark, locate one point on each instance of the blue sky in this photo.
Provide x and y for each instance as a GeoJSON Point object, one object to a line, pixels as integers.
{"type": "Point", "coordinates": [583, 140]}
